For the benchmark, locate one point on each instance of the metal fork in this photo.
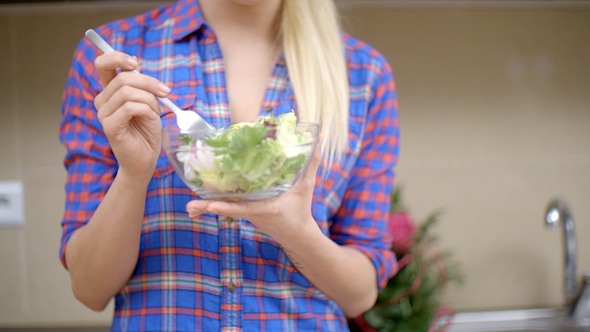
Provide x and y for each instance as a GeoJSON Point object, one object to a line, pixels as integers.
{"type": "Point", "coordinates": [188, 122]}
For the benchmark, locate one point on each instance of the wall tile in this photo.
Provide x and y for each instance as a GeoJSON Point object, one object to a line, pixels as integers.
{"type": "Point", "coordinates": [477, 82]}
{"type": "Point", "coordinates": [48, 281]}
{"type": "Point", "coordinates": [12, 304]}
{"type": "Point", "coordinates": [494, 223]}
{"type": "Point", "coordinates": [6, 106]}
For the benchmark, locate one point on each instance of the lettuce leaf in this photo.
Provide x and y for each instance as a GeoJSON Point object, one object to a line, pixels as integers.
{"type": "Point", "coordinates": [251, 157]}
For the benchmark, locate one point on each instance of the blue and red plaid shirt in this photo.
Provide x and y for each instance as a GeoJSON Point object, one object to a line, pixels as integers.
{"type": "Point", "coordinates": [214, 273]}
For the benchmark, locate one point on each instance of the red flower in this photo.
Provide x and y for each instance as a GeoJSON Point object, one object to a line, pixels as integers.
{"type": "Point", "coordinates": [402, 229]}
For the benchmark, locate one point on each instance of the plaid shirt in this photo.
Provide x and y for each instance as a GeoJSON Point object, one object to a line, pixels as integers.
{"type": "Point", "coordinates": [215, 273]}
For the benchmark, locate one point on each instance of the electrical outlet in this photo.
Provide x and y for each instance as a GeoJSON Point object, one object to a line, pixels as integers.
{"type": "Point", "coordinates": [12, 207]}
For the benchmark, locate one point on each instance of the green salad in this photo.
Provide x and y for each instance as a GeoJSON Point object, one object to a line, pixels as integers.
{"type": "Point", "coordinates": [248, 156]}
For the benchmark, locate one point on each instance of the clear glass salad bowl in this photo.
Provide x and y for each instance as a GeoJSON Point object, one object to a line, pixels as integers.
{"type": "Point", "coordinates": [243, 162]}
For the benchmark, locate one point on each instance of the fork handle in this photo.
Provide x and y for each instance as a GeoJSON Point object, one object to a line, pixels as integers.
{"type": "Point", "coordinates": [99, 42]}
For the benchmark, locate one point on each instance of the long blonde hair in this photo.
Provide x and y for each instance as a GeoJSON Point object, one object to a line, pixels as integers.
{"type": "Point", "coordinates": [316, 62]}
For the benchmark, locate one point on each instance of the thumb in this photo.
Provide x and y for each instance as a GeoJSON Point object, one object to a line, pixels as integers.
{"type": "Point", "coordinates": [309, 176]}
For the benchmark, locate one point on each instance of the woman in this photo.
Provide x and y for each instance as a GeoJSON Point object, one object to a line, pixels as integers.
{"type": "Point", "coordinates": [133, 230]}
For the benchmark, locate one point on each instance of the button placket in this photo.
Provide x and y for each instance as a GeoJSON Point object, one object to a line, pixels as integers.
{"type": "Point", "coordinates": [231, 273]}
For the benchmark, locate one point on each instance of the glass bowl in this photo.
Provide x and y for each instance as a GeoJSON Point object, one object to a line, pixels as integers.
{"type": "Point", "coordinates": [243, 162]}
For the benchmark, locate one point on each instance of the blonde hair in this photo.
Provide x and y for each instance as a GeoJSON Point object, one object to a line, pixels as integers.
{"type": "Point", "coordinates": [315, 58]}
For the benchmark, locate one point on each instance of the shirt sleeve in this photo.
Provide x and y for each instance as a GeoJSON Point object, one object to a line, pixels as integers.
{"type": "Point", "coordinates": [362, 220]}
{"type": "Point", "coordinates": [89, 161]}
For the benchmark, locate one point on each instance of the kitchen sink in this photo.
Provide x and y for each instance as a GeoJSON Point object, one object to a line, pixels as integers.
{"type": "Point", "coordinates": [531, 320]}
{"type": "Point", "coordinates": [577, 317]}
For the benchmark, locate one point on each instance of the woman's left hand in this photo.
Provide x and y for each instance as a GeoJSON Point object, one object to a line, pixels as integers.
{"type": "Point", "coordinates": [280, 218]}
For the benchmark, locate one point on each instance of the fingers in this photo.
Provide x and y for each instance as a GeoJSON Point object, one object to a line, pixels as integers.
{"type": "Point", "coordinates": [113, 83]}
{"type": "Point", "coordinates": [108, 63]}
{"type": "Point", "coordinates": [234, 210]}
{"type": "Point", "coordinates": [119, 121]}
{"type": "Point", "coordinates": [126, 94]}
{"type": "Point", "coordinates": [125, 87]}
{"type": "Point", "coordinates": [196, 208]}
{"type": "Point", "coordinates": [132, 80]}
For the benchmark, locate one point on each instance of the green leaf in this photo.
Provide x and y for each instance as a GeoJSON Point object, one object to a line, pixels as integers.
{"type": "Point", "coordinates": [186, 139]}
{"type": "Point", "coordinates": [396, 199]}
{"type": "Point", "coordinates": [218, 141]}
{"type": "Point", "coordinates": [374, 318]}
{"type": "Point", "coordinates": [247, 138]}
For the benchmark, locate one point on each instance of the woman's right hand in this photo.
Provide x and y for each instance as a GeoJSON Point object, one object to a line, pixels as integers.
{"type": "Point", "coordinates": [128, 112]}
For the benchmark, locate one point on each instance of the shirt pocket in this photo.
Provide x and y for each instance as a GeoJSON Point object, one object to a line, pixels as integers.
{"type": "Point", "coordinates": [163, 166]}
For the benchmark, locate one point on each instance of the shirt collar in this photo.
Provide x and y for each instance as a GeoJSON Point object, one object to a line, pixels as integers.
{"type": "Point", "coordinates": [187, 18]}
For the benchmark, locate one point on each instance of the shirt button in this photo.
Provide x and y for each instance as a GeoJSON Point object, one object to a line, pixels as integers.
{"type": "Point", "coordinates": [230, 219]}
{"type": "Point", "coordinates": [231, 287]}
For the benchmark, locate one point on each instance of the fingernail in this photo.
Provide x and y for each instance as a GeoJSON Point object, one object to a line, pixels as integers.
{"type": "Point", "coordinates": [163, 88]}
{"type": "Point", "coordinates": [193, 213]}
{"type": "Point", "coordinates": [132, 62]}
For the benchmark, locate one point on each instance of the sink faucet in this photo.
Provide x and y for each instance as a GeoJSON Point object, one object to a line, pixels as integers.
{"type": "Point", "coordinates": [581, 306]}
{"type": "Point", "coordinates": [558, 213]}
{"type": "Point", "coordinates": [577, 303]}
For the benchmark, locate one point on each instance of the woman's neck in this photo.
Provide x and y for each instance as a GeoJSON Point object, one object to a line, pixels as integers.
{"type": "Point", "coordinates": [252, 19]}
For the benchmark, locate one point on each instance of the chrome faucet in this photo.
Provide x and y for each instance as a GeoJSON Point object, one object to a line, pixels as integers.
{"type": "Point", "coordinates": [581, 305]}
{"type": "Point", "coordinates": [577, 302]}
{"type": "Point", "coordinates": [558, 213]}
